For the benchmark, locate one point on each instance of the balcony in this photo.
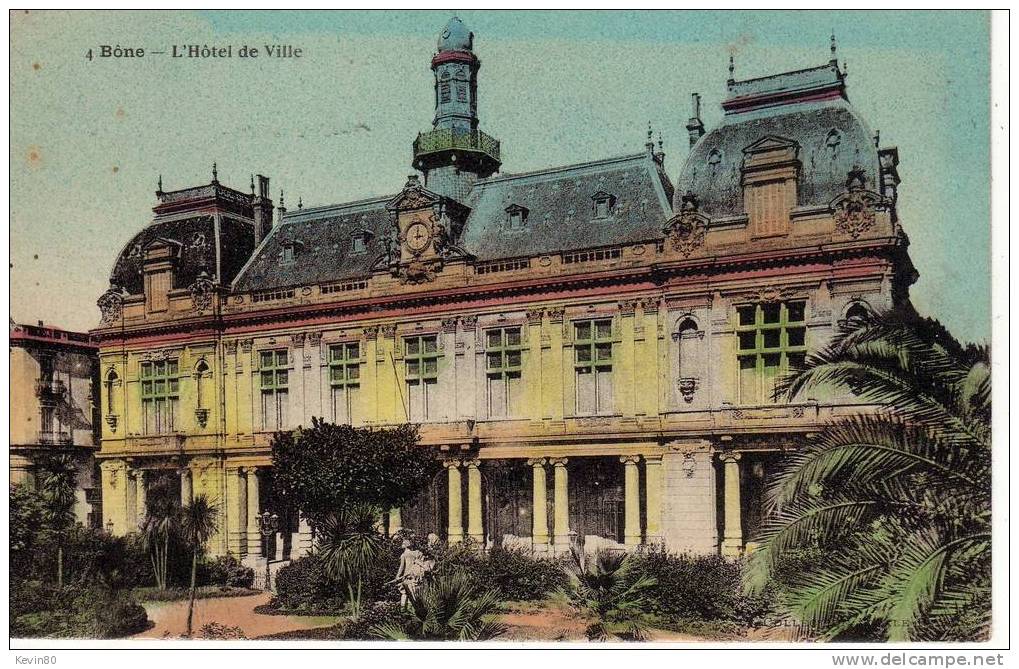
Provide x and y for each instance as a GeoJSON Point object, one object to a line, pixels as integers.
{"type": "Point", "coordinates": [50, 391]}
{"type": "Point", "coordinates": [444, 139]}
{"type": "Point", "coordinates": [55, 438]}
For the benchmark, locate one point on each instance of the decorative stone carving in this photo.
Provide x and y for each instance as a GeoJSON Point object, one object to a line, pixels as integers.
{"type": "Point", "coordinates": [314, 338]}
{"type": "Point", "coordinates": [202, 416]}
{"type": "Point", "coordinates": [855, 211]}
{"type": "Point", "coordinates": [689, 464]}
{"type": "Point", "coordinates": [230, 346]}
{"type": "Point", "coordinates": [555, 314]}
{"type": "Point", "coordinates": [389, 330]}
{"type": "Point", "coordinates": [246, 345]}
{"type": "Point", "coordinates": [297, 340]}
{"type": "Point", "coordinates": [468, 323]}
{"type": "Point", "coordinates": [370, 332]}
{"type": "Point", "coordinates": [111, 420]}
{"type": "Point", "coordinates": [628, 307]}
{"type": "Point", "coordinates": [111, 305]}
{"type": "Point", "coordinates": [202, 291]}
{"type": "Point", "coordinates": [686, 230]}
{"type": "Point", "coordinates": [449, 324]}
{"type": "Point", "coordinates": [534, 316]}
{"type": "Point", "coordinates": [687, 388]}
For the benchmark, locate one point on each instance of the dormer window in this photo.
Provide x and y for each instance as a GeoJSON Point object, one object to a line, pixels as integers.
{"type": "Point", "coordinates": [359, 242]}
{"type": "Point", "coordinates": [604, 203]}
{"type": "Point", "coordinates": [290, 252]}
{"type": "Point", "coordinates": [516, 217]}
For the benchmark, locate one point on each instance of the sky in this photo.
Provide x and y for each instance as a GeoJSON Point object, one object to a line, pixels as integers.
{"type": "Point", "coordinates": [90, 138]}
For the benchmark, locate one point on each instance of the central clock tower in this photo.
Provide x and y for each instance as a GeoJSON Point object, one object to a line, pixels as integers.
{"type": "Point", "coordinates": [426, 225]}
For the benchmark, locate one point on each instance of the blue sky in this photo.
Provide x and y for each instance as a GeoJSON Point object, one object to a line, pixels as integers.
{"type": "Point", "coordinates": [88, 139]}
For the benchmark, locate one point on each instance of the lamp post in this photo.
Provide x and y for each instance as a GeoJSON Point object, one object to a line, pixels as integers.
{"type": "Point", "coordinates": [268, 524]}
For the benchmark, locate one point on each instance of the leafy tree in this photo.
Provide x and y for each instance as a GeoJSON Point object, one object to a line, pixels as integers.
{"type": "Point", "coordinates": [199, 520]}
{"type": "Point", "coordinates": [608, 586]}
{"type": "Point", "coordinates": [898, 503]}
{"type": "Point", "coordinates": [451, 607]}
{"type": "Point", "coordinates": [327, 467]}
{"type": "Point", "coordinates": [57, 482]}
{"type": "Point", "coordinates": [26, 516]}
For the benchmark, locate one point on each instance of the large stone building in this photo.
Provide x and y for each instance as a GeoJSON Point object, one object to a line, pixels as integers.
{"type": "Point", "coordinates": [591, 349]}
{"type": "Point", "coordinates": [54, 409]}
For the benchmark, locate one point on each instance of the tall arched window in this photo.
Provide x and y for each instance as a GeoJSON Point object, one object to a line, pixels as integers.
{"type": "Point", "coordinates": [689, 341]}
{"type": "Point", "coordinates": [857, 312]}
{"type": "Point", "coordinates": [201, 372]}
{"type": "Point", "coordinates": [111, 380]}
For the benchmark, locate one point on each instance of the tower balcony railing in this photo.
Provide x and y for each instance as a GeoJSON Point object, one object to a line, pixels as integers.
{"type": "Point", "coordinates": [444, 139]}
{"type": "Point", "coordinates": [55, 438]}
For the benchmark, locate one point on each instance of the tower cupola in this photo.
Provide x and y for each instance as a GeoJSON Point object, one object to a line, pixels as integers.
{"type": "Point", "coordinates": [455, 153]}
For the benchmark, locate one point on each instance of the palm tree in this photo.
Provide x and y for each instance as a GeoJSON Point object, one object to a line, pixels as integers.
{"type": "Point", "coordinates": [160, 523]}
{"type": "Point", "coordinates": [199, 520]}
{"type": "Point", "coordinates": [450, 607]}
{"type": "Point", "coordinates": [607, 585]}
{"type": "Point", "coordinates": [349, 545]}
{"type": "Point", "coordinates": [58, 484]}
{"type": "Point", "coordinates": [895, 505]}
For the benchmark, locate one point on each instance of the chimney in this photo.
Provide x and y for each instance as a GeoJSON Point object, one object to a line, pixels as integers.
{"type": "Point", "coordinates": [261, 206]}
{"type": "Point", "coordinates": [695, 127]}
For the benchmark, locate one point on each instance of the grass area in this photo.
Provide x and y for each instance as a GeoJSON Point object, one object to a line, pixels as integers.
{"type": "Point", "coordinates": [177, 594]}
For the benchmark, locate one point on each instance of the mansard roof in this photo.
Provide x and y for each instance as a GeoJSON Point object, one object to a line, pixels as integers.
{"type": "Point", "coordinates": [808, 107]}
{"type": "Point", "coordinates": [561, 217]}
{"type": "Point", "coordinates": [196, 237]}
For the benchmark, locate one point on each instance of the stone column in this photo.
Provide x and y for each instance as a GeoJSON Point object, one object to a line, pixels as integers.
{"type": "Point", "coordinates": [254, 536]}
{"type": "Point", "coordinates": [539, 506]}
{"type": "Point", "coordinates": [131, 501]}
{"type": "Point", "coordinates": [304, 539]}
{"type": "Point", "coordinates": [455, 530]}
{"type": "Point", "coordinates": [185, 487]}
{"type": "Point", "coordinates": [732, 534]}
{"type": "Point", "coordinates": [236, 512]}
{"type": "Point", "coordinates": [22, 471]}
{"type": "Point", "coordinates": [475, 527]}
{"type": "Point", "coordinates": [395, 521]}
{"type": "Point", "coordinates": [653, 480]}
{"type": "Point", "coordinates": [561, 505]}
{"type": "Point", "coordinates": [140, 498]}
{"type": "Point", "coordinates": [631, 527]}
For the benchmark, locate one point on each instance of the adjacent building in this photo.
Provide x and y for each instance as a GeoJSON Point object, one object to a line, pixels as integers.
{"type": "Point", "coordinates": [54, 409]}
{"type": "Point", "coordinates": [591, 349]}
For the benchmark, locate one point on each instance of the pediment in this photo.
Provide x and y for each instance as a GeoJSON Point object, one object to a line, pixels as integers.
{"type": "Point", "coordinates": [413, 197]}
{"type": "Point", "coordinates": [771, 143]}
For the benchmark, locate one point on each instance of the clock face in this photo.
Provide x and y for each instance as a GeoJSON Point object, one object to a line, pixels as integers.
{"type": "Point", "coordinates": [418, 236]}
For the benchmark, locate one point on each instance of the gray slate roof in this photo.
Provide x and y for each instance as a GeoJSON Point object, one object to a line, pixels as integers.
{"type": "Point", "coordinates": [560, 217]}
{"type": "Point", "coordinates": [713, 170]}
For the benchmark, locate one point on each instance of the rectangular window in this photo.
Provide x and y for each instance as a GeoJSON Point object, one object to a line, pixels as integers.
{"type": "Point", "coordinates": [157, 291]}
{"type": "Point", "coordinates": [768, 206]}
{"type": "Point", "coordinates": [444, 92]}
{"type": "Point", "coordinates": [461, 92]}
{"type": "Point", "coordinates": [503, 363]}
{"type": "Point", "coordinates": [592, 350]}
{"type": "Point", "coordinates": [274, 380]}
{"type": "Point", "coordinates": [421, 360]}
{"type": "Point", "coordinates": [345, 381]}
{"type": "Point", "coordinates": [769, 338]}
{"type": "Point", "coordinates": [160, 396]}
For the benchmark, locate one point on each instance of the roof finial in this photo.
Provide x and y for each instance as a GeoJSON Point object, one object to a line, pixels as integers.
{"type": "Point", "coordinates": [215, 174]}
{"type": "Point", "coordinates": [834, 47]}
{"type": "Point", "coordinates": [732, 68]}
{"type": "Point", "coordinates": [159, 185]}
{"type": "Point", "coordinates": [845, 70]}
{"type": "Point", "coordinates": [252, 184]}
{"type": "Point", "coordinates": [300, 203]}
{"type": "Point", "coordinates": [660, 142]}
{"type": "Point", "coordinates": [281, 199]}
{"type": "Point", "coordinates": [650, 144]}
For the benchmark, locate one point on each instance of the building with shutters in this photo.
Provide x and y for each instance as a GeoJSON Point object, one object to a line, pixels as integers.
{"type": "Point", "coordinates": [591, 349]}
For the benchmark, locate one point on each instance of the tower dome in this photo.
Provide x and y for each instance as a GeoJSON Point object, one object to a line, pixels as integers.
{"type": "Point", "coordinates": [456, 37]}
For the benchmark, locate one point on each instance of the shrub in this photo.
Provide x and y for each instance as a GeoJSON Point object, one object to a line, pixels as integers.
{"type": "Point", "coordinates": [704, 587]}
{"type": "Point", "coordinates": [303, 585]}
{"type": "Point", "coordinates": [225, 570]}
{"type": "Point", "coordinates": [93, 612]}
{"type": "Point", "coordinates": [516, 573]}
{"type": "Point", "coordinates": [219, 631]}
{"type": "Point", "coordinates": [378, 615]}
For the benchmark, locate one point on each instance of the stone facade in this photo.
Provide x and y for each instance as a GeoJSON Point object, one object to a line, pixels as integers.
{"type": "Point", "coordinates": [54, 407]}
{"type": "Point", "coordinates": [591, 349]}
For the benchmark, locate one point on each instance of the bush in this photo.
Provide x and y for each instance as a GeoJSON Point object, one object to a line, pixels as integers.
{"type": "Point", "coordinates": [699, 587]}
{"type": "Point", "coordinates": [303, 585]}
{"type": "Point", "coordinates": [516, 573]}
{"type": "Point", "coordinates": [92, 612]}
{"type": "Point", "coordinates": [380, 614]}
{"type": "Point", "coordinates": [225, 571]}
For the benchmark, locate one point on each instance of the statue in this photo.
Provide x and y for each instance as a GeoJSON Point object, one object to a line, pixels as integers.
{"type": "Point", "coordinates": [415, 567]}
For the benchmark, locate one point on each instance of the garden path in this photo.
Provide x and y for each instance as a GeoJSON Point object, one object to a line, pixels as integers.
{"type": "Point", "coordinates": [170, 618]}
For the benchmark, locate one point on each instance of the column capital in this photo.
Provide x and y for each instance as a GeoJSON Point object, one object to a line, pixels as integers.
{"type": "Point", "coordinates": [536, 462]}
{"type": "Point", "coordinates": [653, 459]}
{"type": "Point", "coordinates": [730, 456]}
{"type": "Point", "coordinates": [472, 463]}
{"type": "Point", "coordinates": [629, 459]}
{"type": "Point", "coordinates": [452, 463]}
{"type": "Point", "coordinates": [558, 462]}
